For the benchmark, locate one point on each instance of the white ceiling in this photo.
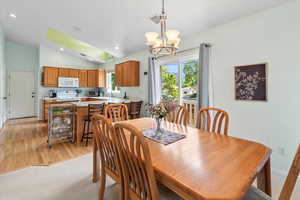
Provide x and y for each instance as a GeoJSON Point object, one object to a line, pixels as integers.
{"type": "Point", "coordinates": [107, 23]}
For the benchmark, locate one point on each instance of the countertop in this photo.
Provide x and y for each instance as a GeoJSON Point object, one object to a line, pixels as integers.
{"type": "Point", "coordinates": [98, 100]}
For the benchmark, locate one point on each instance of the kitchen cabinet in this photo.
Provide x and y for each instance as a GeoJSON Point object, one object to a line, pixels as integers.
{"type": "Point", "coordinates": [128, 74]}
{"type": "Point", "coordinates": [101, 78]}
{"type": "Point", "coordinates": [83, 77]}
{"type": "Point", "coordinates": [50, 76]}
{"type": "Point", "coordinates": [63, 72]}
{"type": "Point", "coordinates": [74, 73]}
{"type": "Point", "coordinates": [87, 78]}
{"type": "Point", "coordinates": [96, 78]}
{"type": "Point", "coordinates": [91, 82]}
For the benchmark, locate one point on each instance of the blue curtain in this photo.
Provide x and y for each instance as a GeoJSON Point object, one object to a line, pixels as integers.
{"type": "Point", "coordinates": [154, 82]}
{"type": "Point", "coordinates": [203, 77]}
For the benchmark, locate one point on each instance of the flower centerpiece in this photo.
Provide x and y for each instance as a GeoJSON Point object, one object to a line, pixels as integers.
{"type": "Point", "coordinates": [160, 111]}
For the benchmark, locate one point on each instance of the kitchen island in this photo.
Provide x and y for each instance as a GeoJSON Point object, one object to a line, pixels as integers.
{"type": "Point", "coordinates": [81, 111]}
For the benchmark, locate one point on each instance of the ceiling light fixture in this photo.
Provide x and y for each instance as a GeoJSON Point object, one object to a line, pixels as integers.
{"type": "Point", "coordinates": [168, 41]}
{"type": "Point", "coordinates": [12, 15]}
{"type": "Point", "coordinates": [61, 49]}
{"type": "Point", "coordinates": [117, 48]}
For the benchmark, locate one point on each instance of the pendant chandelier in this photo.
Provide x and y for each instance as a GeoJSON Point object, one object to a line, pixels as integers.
{"type": "Point", "coordinates": [168, 41]}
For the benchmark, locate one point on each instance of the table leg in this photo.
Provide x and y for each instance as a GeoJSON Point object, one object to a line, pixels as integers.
{"type": "Point", "coordinates": [96, 168]}
{"type": "Point", "coordinates": [264, 179]}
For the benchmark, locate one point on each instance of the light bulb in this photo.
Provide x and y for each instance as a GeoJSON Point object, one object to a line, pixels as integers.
{"type": "Point", "coordinates": [172, 34]}
{"type": "Point", "coordinates": [158, 43]}
{"type": "Point", "coordinates": [151, 36]}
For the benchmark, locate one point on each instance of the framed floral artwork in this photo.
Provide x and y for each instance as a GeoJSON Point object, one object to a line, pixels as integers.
{"type": "Point", "coordinates": [251, 82]}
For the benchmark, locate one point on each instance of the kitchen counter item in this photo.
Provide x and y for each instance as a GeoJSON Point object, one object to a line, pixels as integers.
{"type": "Point", "coordinates": [61, 123]}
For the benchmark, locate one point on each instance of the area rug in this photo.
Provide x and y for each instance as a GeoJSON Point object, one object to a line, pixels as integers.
{"type": "Point", "coordinates": [70, 179]}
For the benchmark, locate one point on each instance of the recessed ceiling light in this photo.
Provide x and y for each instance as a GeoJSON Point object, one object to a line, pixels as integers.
{"type": "Point", "coordinates": [117, 48]}
{"type": "Point", "coordinates": [61, 49]}
{"type": "Point", "coordinates": [12, 15]}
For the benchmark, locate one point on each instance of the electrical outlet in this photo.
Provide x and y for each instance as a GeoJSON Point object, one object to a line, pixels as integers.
{"type": "Point", "coordinates": [281, 151]}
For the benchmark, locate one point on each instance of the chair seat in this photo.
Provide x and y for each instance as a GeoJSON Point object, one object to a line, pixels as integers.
{"type": "Point", "coordinates": [167, 194]}
{"type": "Point", "coordinates": [255, 194]}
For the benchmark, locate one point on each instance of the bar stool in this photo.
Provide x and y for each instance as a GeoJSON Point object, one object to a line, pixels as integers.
{"type": "Point", "coordinates": [128, 105]}
{"type": "Point", "coordinates": [135, 109]}
{"type": "Point", "coordinates": [92, 109]}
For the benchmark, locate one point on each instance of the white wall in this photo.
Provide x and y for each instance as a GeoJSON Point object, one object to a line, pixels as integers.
{"type": "Point", "coordinates": [2, 79]}
{"type": "Point", "coordinates": [21, 58]}
{"type": "Point", "coordinates": [271, 36]}
{"type": "Point", "coordinates": [52, 57]}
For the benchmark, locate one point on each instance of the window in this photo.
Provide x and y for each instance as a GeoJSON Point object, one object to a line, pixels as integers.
{"type": "Point", "coordinates": [179, 83]}
{"type": "Point", "coordinates": [111, 83]}
{"type": "Point", "coordinates": [179, 80]}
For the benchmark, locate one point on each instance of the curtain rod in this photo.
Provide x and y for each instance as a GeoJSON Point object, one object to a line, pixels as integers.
{"type": "Point", "coordinates": [206, 44]}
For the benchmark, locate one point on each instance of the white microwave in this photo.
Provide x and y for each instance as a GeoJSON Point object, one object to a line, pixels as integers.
{"type": "Point", "coordinates": [68, 82]}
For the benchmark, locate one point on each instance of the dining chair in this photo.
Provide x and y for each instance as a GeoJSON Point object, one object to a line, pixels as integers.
{"type": "Point", "coordinates": [288, 187]}
{"type": "Point", "coordinates": [179, 116]}
{"type": "Point", "coordinates": [110, 163]}
{"type": "Point", "coordinates": [213, 120]}
{"type": "Point", "coordinates": [136, 165]}
{"type": "Point", "coordinates": [116, 112]}
{"type": "Point", "coordinates": [135, 109]}
{"type": "Point", "coordinates": [92, 109]}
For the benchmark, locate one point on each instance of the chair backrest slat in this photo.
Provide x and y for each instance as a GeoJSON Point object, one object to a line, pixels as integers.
{"type": "Point", "coordinates": [116, 112]}
{"type": "Point", "coordinates": [218, 123]}
{"type": "Point", "coordinates": [179, 116]}
{"type": "Point", "coordinates": [291, 179]}
{"type": "Point", "coordinates": [138, 173]}
{"type": "Point", "coordinates": [104, 133]}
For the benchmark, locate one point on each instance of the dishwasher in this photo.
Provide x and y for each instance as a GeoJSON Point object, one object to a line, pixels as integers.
{"type": "Point", "coordinates": [61, 123]}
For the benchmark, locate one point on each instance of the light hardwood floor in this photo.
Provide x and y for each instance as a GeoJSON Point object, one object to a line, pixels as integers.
{"type": "Point", "coordinates": [23, 143]}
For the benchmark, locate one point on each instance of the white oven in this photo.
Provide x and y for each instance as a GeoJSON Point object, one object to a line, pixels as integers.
{"type": "Point", "coordinates": [68, 82]}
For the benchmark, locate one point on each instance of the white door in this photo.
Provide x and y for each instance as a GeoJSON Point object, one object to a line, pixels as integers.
{"type": "Point", "coordinates": [21, 94]}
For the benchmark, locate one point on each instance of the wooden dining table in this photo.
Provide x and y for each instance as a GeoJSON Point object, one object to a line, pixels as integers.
{"type": "Point", "coordinates": [205, 165]}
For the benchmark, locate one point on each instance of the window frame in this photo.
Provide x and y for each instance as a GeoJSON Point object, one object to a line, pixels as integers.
{"type": "Point", "coordinates": [109, 83]}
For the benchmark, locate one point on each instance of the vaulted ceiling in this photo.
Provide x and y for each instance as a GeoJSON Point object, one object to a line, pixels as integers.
{"type": "Point", "coordinates": [106, 24]}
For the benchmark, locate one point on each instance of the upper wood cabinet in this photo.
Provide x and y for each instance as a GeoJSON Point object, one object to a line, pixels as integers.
{"type": "Point", "coordinates": [91, 82]}
{"type": "Point", "coordinates": [83, 77]}
{"type": "Point", "coordinates": [128, 74]}
{"type": "Point", "coordinates": [63, 72]}
{"type": "Point", "coordinates": [101, 78]}
{"type": "Point", "coordinates": [96, 78]}
{"type": "Point", "coordinates": [74, 73]}
{"type": "Point", "coordinates": [87, 78]}
{"type": "Point", "coordinates": [50, 76]}
{"type": "Point", "coordinates": [71, 73]}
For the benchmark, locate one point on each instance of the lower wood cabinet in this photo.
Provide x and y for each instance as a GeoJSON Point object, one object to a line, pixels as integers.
{"type": "Point", "coordinates": [128, 74]}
